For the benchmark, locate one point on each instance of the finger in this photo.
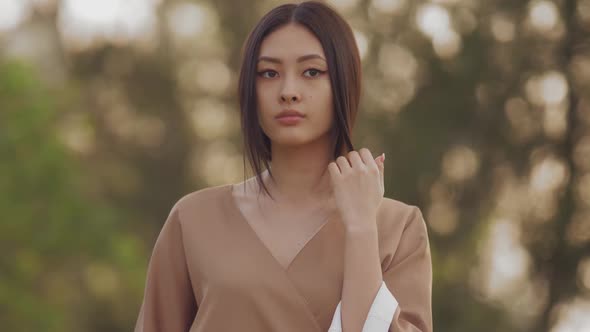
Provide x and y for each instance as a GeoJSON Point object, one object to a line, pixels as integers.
{"type": "Point", "coordinates": [367, 157]}
{"type": "Point", "coordinates": [381, 165]}
{"type": "Point", "coordinates": [355, 160]}
{"type": "Point", "coordinates": [333, 170]}
{"type": "Point", "coordinates": [343, 164]}
{"type": "Point", "coordinates": [381, 158]}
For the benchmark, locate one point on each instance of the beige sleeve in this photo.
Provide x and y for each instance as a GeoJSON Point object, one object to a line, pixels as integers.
{"type": "Point", "coordinates": [409, 278]}
{"type": "Point", "coordinates": [168, 303]}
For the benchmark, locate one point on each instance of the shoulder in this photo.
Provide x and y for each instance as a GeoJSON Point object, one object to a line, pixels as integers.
{"type": "Point", "coordinates": [199, 202]}
{"type": "Point", "coordinates": [395, 216]}
{"type": "Point", "coordinates": [402, 231]}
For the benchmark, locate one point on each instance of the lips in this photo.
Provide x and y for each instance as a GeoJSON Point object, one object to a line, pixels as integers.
{"type": "Point", "coordinates": [289, 113]}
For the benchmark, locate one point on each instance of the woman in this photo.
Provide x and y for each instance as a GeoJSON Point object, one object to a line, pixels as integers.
{"type": "Point", "coordinates": [310, 243]}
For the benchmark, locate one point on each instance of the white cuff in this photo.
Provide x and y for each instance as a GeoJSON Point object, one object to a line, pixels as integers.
{"type": "Point", "coordinates": [379, 317]}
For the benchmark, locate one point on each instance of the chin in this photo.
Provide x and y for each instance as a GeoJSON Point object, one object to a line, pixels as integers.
{"type": "Point", "coordinates": [290, 142]}
{"type": "Point", "coordinates": [294, 139]}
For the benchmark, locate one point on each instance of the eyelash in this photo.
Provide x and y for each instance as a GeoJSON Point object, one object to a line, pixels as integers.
{"type": "Point", "coordinates": [320, 72]}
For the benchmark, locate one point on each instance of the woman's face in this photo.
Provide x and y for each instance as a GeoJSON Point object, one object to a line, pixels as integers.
{"type": "Point", "coordinates": [292, 74]}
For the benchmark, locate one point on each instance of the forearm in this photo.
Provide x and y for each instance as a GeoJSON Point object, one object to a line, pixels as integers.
{"type": "Point", "coordinates": [362, 276]}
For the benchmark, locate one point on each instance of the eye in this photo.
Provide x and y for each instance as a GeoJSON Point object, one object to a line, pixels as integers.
{"type": "Point", "coordinates": [314, 72]}
{"type": "Point", "coordinates": [261, 73]}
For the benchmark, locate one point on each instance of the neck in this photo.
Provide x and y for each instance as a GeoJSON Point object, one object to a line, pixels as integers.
{"type": "Point", "coordinates": [300, 173]}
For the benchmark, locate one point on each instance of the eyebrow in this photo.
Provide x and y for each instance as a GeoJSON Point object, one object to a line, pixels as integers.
{"type": "Point", "coordinates": [299, 59]}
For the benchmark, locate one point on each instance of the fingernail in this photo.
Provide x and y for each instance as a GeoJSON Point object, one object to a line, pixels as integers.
{"type": "Point", "coordinates": [383, 158]}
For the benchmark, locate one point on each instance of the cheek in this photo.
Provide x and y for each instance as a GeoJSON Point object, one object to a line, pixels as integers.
{"type": "Point", "coordinates": [323, 103]}
{"type": "Point", "coordinates": [329, 105]}
{"type": "Point", "coordinates": [263, 99]}
{"type": "Point", "coordinates": [264, 107]}
{"type": "Point", "coordinates": [320, 93]}
{"type": "Point", "coordinates": [326, 99]}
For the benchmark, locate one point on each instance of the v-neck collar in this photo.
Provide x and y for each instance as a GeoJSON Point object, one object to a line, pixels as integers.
{"type": "Point", "coordinates": [289, 274]}
{"type": "Point", "coordinates": [243, 220]}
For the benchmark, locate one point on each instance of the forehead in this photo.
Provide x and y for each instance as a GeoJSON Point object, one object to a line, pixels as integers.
{"type": "Point", "coordinates": [290, 41]}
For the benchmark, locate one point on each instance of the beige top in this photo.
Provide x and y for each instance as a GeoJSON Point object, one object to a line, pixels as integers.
{"type": "Point", "coordinates": [209, 271]}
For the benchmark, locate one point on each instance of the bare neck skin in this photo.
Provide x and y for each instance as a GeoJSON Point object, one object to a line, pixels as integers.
{"type": "Point", "coordinates": [300, 173]}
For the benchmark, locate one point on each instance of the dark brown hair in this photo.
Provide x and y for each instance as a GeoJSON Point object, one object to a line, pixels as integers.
{"type": "Point", "coordinates": [344, 70]}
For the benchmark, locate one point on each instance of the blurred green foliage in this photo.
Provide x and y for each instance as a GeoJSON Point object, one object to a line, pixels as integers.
{"type": "Point", "coordinates": [65, 252]}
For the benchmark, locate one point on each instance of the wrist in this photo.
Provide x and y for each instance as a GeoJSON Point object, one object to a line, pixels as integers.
{"type": "Point", "coordinates": [360, 230]}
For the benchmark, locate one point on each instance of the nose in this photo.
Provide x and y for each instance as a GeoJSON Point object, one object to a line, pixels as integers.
{"type": "Point", "coordinates": [289, 97]}
{"type": "Point", "coordinates": [289, 92]}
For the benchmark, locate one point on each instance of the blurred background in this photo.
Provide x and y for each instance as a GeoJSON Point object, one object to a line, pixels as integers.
{"type": "Point", "coordinates": [112, 110]}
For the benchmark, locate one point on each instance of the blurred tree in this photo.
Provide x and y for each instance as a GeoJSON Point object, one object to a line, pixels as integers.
{"type": "Point", "coordinates": [481, 107]}
{"type": "Point", "coordinates": [65, 257]}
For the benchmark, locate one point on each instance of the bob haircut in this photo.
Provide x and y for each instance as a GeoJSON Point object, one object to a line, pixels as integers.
{"type": "Point", "coordinates": [344, 68]}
